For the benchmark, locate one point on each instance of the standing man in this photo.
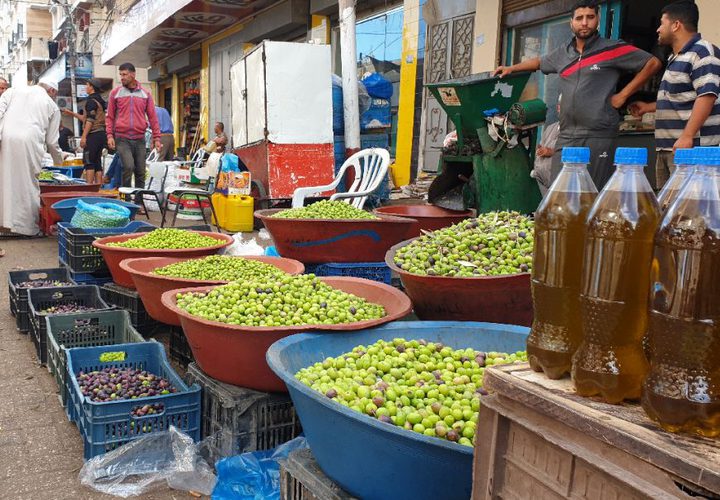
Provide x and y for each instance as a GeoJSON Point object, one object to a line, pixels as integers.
{"type": "Point", "coordinates": [4, 85]}
{"type": "Point", "coordinates": [130, 108]}
{"type": "Point", "coordinates": [29, 123]}
{"type": "Point", "coordinates": [590, 67]}
{"type": "Point", "coordinates": [167, 134]}
{"type": "Point", "coordinates": [687, 112]}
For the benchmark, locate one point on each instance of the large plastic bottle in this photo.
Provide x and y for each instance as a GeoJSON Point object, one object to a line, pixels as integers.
{"type": "Point", "coordinates": [557, 265]}
{"type": "Point", "coordinates": [610, 361]}
{"type": "Point", "coordinates": [684, 166]}
{"type": "Point", "coordinates": [682, 389]}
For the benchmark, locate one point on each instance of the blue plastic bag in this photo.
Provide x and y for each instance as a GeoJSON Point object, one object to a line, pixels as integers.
{"type": "Point", "coordinates": [253, 476]}
{"type": "Point", "coordinates": [378, 116]}
{"type": "Point", "coordinates": [100, 215]}
{"type": "Point", "coordinates": [378, 86]}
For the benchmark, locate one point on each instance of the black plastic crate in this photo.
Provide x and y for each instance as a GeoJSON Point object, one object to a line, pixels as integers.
{"type": "Point", "coordinates": [302, 479]}
{"type": "Point", "coordinates": [128, 299]}
{"type": "Point", "coordinates": [19, 297]}
{"type": "Point", "coordinates": [91, 329]}
{"type": "Point", "coordinates": [40, 299]}
{"type": "Point", "coordinates": [180, 351]}
{"type": "Point", "coordinates": [239, 420]}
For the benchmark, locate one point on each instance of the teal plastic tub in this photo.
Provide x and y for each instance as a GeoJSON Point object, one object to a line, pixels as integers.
{"type": "Point", "coordinates": [368, 458]}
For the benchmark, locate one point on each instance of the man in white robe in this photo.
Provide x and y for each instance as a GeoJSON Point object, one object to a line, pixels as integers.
{"type": "Point", "coordinates": [29, 123]}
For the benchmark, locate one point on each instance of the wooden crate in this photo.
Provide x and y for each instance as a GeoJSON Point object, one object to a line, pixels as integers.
{"type": "Point", "coordinates": [302, 479]}
{"type": "Point", "coordinates": [542, 441]}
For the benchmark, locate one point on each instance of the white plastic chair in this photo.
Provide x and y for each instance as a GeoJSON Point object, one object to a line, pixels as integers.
{"type": "Point", "coordinates": [181, 192]}
{"type": "Point", "coordinates": [158, 170]}
{"type": "Point", "coordinates": [370, 167]}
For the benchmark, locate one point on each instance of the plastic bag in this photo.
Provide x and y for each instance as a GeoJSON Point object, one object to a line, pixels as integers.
{"type": "Point", "coordinates": [364, 99]}
{"type": "Point", "coordinates": [100, 215]}
{"type": "Point", "coordinates": [149, 462]}
{"type": "Point", "coordinates": [253, 476]}
{"type": "Point", "coordinates": [378, 116]}
{"type": "Point", "coordinates": [378, 86]}
{"type": "Point", "coordinates": [241, 245]}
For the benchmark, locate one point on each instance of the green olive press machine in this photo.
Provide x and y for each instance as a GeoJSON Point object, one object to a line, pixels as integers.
{"type": "Point", "coordinates": [489, 166]}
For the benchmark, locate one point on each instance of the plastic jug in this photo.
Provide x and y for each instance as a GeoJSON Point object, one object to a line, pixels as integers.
{"type": "Point", "coordinates": [238, 214]}
{"type": "Point", "coordinates": [682, 389]}
{"type": "Point", "coordinates": [557, 266]}
{"type": "Point", "coordinates": [684, 166]}
{"type": "Point", "coordinates": [610, 361]}
{"type": "Point", "coordinates": [219, 201]}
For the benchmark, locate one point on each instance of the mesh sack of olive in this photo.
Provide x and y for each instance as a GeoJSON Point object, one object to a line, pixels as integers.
{"type": "Point", "coordinates": [100, 215]}
{"type": "Point", "coordinates": [493, 244]}
{"type": "Point", "coordinates": [327, 210]}
{"type": "Point", "coordinates": [168, 239]}
{"type": "Point", "coordinates": [420, 386]}
{"type": "Point", "coordinates": [277, 302]}
{"type": "Point", "coordinates": [220, 268]}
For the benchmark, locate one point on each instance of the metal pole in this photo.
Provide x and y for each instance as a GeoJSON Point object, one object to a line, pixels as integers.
{"type": "Point", "coordinates": [348, 51]}
{"type": "Point", "coordinates": [72, 62]}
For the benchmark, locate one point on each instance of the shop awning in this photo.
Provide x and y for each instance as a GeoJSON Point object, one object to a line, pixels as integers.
{"type": "Point", "coordinates": [154, 29]}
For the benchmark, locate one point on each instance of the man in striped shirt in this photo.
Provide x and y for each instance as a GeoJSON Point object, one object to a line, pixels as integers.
{"type": "Point", "coordinates": [687, 112]}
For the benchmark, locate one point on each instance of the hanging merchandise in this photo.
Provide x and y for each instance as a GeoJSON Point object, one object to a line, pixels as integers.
{"type": "Point", "coordinates": [557, 266]}
{"type": "Point", "coordinates": [682, 389]}
{"type": "Point", "coordinates": [610, 361]}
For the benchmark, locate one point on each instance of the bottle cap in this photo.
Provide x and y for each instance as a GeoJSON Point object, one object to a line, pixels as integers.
{"type": "Point", "coordinates": [631, 156]}
{"type": "Point", "coordinates": [685, 156]}
{"type": "Point", "coordinates": [707, 156]}
{"type": "Point", "coordinates": [576, 155]}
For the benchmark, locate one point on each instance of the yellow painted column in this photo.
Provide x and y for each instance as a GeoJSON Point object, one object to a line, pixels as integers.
{"type": "Point", "coordinates": [175, 107]}
{"type": "Point", "coordinates": [205, 87]}
{"type": "Point", "coordinates": [408, 75]}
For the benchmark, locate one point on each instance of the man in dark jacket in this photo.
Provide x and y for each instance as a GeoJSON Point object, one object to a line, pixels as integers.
{"type": "Point", "coordinates": [590, 67]}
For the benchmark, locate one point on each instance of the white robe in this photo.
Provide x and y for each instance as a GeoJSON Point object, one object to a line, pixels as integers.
{"type": "Point", "coordinates": [29, 122]}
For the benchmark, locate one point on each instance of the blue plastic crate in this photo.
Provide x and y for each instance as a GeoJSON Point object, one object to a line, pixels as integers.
{"type": "Point", "coordinates": [376, 271]}
{"type": "Point", "coordinates": [106, 426]}
{"type": "Point", "coordinates": [344, 442]}
{"type": "Point", "coordinates": [75, 244]}
{"type": "Point", "coordinates": [66, 208]}
{"type": "Point", "coordinates": [95, 278]}
{"type": "Point", "coordinates": [73, 172]}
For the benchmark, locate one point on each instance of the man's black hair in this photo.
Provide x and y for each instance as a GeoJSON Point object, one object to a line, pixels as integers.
{"type": "Point", "coordinates": [222, 126]}
{"type": "Point", "coordinates": [585, 4]}
{"type": "Point", "coordinates": [684, 11]}
{"type": "Point", "coordinates": [127, 67]}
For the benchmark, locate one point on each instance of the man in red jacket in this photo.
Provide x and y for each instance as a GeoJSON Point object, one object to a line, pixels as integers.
{"type": "Point", "coordinates": [130, 108]}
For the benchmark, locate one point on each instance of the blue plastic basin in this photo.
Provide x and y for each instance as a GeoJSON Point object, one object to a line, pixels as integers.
{"type": "Point", "coordinates": [370, 459]}
{"type": "Point", "coordinates": [66, 208]}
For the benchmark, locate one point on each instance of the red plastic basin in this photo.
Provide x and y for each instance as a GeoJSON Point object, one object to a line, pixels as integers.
{"type": "Point", "coordinates": [49, 187]}
{"type": "Point", "coordinates": [318, 241]}
{"type": "Point", "coordinates": [236, 354]}
{"type": "Point", "coordinates": [47, 200]}
{"type": "Point", "coordinates": [151, 286]}
{"type": "Point", "coordinates": [115, 255]}
{"type": "Point", "coordinates": [492, 299]}
{"type": "Point", "coordinates": [428, 217]}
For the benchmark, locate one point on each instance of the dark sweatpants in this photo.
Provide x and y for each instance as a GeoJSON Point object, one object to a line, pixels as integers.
{"type": "Point", "coordinates": [602, 154]}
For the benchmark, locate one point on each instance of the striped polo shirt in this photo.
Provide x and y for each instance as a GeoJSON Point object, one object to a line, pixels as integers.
{"type": "Point", "coordinates": [692, 72]}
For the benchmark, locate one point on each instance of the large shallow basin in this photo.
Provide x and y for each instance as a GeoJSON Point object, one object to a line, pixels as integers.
{"type": "Point", "coordinates": [236, 354]}
{"type": "Point", "coordinates": [115, 255]}
{"type": "Point", "coordinates": [495, 299]}
{"type": "Point", "coordinates": [151, 286]}
{"type": "Point", "coordinates": [370, 459]}
{"type": "Point", "coordinates": [428, 217]}
{"type": "Point", "coordinates": [318, 241]}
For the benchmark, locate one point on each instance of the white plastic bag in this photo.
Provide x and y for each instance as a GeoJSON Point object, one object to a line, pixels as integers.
{"type": "Point", "coordinates": [150, 462]}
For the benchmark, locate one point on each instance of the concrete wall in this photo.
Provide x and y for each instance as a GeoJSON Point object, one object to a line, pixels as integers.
{"type": "Point", "coordinates": [709, 20]}
{"type": "Point", "coordinates": [488, 35]}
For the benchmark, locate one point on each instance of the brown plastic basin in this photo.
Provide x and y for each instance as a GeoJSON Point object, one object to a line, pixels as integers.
{"type": "Point", "coordinates": [115, 255]}
{"type": "Point", "coordinates": [236, 354]}
{"type": "Point", "coordinates": [318, 241]}
{"type": "Point", "coordinates": [428, 217]}
{"type": "Point", "coordinates": [49, 187]}
{"type": "Point", "coordinates": [493, 299]}
{"type": "Point", "coordinates": [151, 286]}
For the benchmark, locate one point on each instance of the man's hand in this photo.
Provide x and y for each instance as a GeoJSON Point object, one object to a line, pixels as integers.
{"type": "Point", "coordinates": [83, 142]}
{"type": "Point", "coordinates": [111, 143]}
{"type": "Point", "coordinates": [685, 142]}
{"type": "Point", "coordinates": [157, 145]}
{"type": "Point", "coordinates": [617, 101]}
{"type": "Point", "coordinates": [67, 111]}
{"type": "Point", "coordinates": [502, 71]}
{"type": "Point", "coordinates": [639, 108]}
{"type": "Point", "coordinates": [544, 152]}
